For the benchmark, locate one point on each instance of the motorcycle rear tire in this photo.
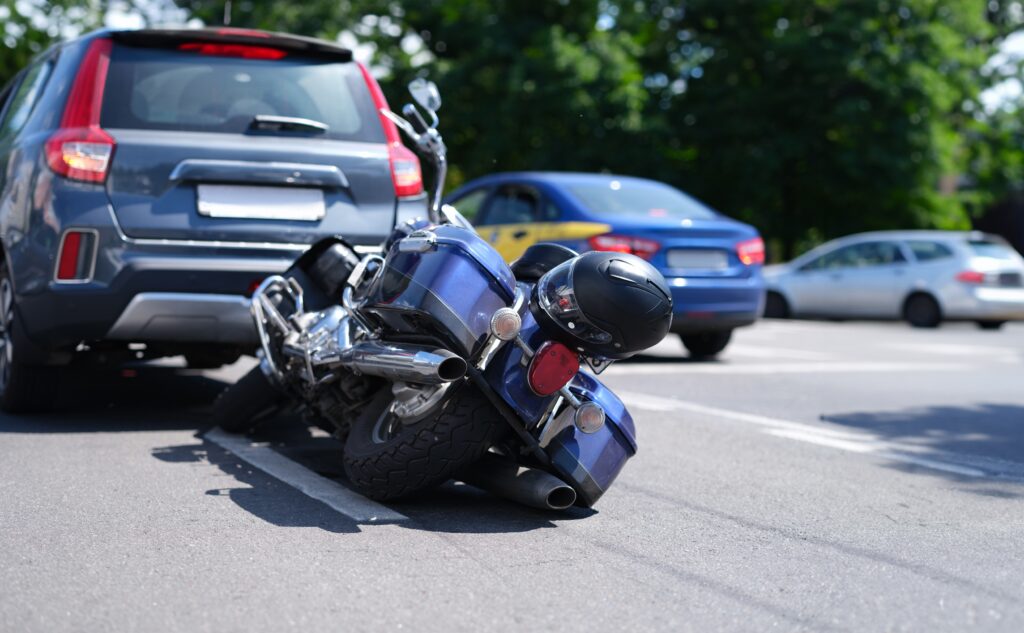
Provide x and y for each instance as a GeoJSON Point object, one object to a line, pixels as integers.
{"type": "Point", "coordinates": [424, 453]}
{"type": "Point", "coordinates": [246, 403]}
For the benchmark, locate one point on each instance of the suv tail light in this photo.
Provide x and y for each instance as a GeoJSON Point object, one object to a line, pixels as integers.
{"type": "Point", "coordinates": [751, 251]}
{"type": "Point", "coordinates": [80, 149]}
{"type": "Point", "coordinates": [405, 167]}
{"type": "Point", "coordinates": [76, 256]}
{"type": "Point", "coordinates": [638, 246]}
{"type": "Point", "coordinates": [245, 51]}
{"type": "Point", "coordinates": [552, 367]}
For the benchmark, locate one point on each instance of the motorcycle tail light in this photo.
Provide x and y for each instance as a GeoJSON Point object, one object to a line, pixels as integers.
{"type": "Point", "coordinates": [552, 367]}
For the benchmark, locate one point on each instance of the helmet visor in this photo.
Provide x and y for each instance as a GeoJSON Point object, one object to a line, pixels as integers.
{"type": "Point", "coordinates": [558, 299]}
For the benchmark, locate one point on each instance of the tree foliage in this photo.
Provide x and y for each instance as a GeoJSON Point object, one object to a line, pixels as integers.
{"type": "Point", "coordinates": [808, 118]}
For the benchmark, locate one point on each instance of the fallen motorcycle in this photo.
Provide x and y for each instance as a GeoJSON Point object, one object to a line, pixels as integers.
{"type": "Point", "coordinates": [439, 360]}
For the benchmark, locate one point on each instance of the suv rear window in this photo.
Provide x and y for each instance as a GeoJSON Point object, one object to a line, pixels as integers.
{"type": "Point", "coordinates": [161, 89]}
{"type": "Point", "coordinates": [995, 250]}
{"type": "Point", "coordinates": [637, 199]}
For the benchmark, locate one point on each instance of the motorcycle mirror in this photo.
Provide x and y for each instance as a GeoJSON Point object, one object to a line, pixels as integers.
{"type": "Point", "coordinates": [426, 94]}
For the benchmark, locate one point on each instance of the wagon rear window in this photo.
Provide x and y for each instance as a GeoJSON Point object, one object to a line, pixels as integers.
{"type": "Point", "coordinates": [160, 89]}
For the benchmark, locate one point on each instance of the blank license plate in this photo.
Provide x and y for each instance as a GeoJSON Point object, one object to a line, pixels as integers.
{"type": "Point", "coordinates": [697, 258]}
{"type": "Point", "coordinates": [260, 203]}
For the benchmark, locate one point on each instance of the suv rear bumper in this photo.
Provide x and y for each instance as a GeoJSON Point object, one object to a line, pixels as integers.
{"type": "Point", "coordinates": [183, 316]}
{"type": "Point", "coordinates": [155, 294]}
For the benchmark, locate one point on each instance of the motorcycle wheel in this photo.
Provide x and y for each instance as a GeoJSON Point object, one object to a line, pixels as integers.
{"type": "Point", "coordinates": [246, 403]}
{"type": "Point", "coordinates": [387, 457]}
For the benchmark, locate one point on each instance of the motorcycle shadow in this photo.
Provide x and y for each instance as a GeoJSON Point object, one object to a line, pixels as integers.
{"type": "Point", "coordinates": [453, 507]}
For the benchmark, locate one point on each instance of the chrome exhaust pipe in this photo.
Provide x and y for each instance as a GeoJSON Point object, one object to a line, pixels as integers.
{"type": "Point", "coordinates": [405, 363]}
{"type": "Point", "coordinates": [528, 486]}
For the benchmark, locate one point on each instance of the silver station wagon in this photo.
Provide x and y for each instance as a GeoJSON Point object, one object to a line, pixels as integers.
{"type": "Point", "coordinates": [923, 277]}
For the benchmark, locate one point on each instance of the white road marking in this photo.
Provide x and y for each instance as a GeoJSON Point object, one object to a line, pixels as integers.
{"type": "Point", "coordinates": [779, 368]}
{"type": "Point", "coordinates": [851, 441]}
{"type": "Point", "coordinates": [331, 493]}
{"type": "Point", "coordinates": [988, 352]}
{"type": "Point", "coordinates": [760, 351]}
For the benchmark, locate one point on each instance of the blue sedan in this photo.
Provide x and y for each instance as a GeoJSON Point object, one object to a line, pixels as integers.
{"type": "Point", "coordinates": [711, 262]}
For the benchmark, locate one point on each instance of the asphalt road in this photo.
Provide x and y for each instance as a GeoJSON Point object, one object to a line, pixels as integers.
{"type": "Point", "coordinates": [820, 477]}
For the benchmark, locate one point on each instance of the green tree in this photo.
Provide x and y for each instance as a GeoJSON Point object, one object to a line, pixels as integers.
{"type": "Point", "coordinates": [29, 26]}
{"type": "Point", "coordinates": [817, 118]}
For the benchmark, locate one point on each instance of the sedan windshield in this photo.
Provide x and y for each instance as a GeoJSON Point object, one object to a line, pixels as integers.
{"type": "Point", "coordinates": [638, 199]}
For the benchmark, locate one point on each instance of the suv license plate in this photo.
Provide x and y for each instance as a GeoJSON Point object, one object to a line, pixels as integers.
{"type": "Point", "coordinates": [260, 203]}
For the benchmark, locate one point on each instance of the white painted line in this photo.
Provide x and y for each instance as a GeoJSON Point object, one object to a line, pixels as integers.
{"type": "Point", "coordinates": [331, 493]}
{"type": "Point", "coordinates": [851, 441]}
{"type": "Point", "coordinates": [641, 369]}
{"type": "Point", "coordinates": [774, 353]}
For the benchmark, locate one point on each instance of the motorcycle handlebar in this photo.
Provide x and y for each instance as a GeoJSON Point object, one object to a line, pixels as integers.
{"type": "Point", "coordinates": [414, 118]}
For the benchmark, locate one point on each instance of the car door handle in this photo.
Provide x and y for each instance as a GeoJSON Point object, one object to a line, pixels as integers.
{"type": "Point", "coordinates": [520, 234]}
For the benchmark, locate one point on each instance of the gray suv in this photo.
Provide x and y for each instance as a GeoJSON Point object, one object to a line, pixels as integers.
{"type": "Point", "coordinates": [150, 178]}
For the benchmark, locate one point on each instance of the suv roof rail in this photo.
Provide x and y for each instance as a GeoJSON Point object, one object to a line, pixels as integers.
{"type": "Point", "coordinates": [169, 38]}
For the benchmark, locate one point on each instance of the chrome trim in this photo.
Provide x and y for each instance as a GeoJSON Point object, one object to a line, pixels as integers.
{"type": "Point", "coordinates": [264, 246]}
{"type": "Point", "coordinates": [494, 343]}
{"type": "Point", "coordinates": [92, 263]}
{"type": "Point", "coordinates": [180, 316]}
{"type": "Point", "coordinates": [407, 363]}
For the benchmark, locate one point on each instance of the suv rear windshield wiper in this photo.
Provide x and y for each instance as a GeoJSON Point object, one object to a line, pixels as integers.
{"type": "Point", "coordinates": [286, 124]}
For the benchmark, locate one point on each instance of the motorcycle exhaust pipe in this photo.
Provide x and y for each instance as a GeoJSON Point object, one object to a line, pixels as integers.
{"type": "Point", "coordinates": [528, 486]}
{"type": "Point", "coordinates": [405, 363]}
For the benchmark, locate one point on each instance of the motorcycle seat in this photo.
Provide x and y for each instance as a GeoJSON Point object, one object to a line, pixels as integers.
{"type": "Point", "coordinates": [539, 259]}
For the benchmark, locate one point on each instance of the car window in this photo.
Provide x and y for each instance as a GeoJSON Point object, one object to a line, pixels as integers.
{"type": "Point", "coordinates": [927, 251]}
{"type": "Point", "coordinates": [638, 198]}
{"type": "Point", "coordinates": [551, 212]}
{"type": "Point", "coordinates": [987, 248]}
{"type": "Point", "coordinates": [160, 89]}
{"type": "Point", "coordinates": [24, 99]}
{"type": "Point", "coordinates": [862, 255]}
{"type": "Point", "coordinates": [469, 204]}
{"type": "Point", "coordinates": [512, 205]}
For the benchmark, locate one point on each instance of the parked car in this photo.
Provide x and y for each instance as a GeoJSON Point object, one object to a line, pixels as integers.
{"type": "Point", "coordinates": [151, 178]}
{"type": "Point", "coordinates": [924, 277]}
{"type": "Point", "coordinates": [712, 263]}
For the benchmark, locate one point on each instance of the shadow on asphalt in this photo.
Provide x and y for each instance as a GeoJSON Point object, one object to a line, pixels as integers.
{"type": "Point", "coordinates": [450, 508]}
{"type": "Point", "coordinates": [988, 431]}
{"type": "Point", "coordinates": [114, 400]}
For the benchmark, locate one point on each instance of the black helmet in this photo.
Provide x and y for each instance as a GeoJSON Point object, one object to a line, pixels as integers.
{"type": "Point", "coordinates": [604, 304]}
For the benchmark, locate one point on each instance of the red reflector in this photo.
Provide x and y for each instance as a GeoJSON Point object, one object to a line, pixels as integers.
{"type": "Point", "coordinates": [67, 264]}
{"type": "Point", "coordinates": [245, 51]}
{"type": "Point", "coordinates": [751, 251]}
{"type": "Point", "coordinates": [405, 167]}
{"type": "Point", "coordinates": [971, 277]}
{"type": "Point", "coordinates": [638, 246]}
{"type": "Point", "coordinates": [552, 367]}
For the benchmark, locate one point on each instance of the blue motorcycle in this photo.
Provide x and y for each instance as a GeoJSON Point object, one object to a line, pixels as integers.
{"type": "Point", "coordinates": [437, 360]}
